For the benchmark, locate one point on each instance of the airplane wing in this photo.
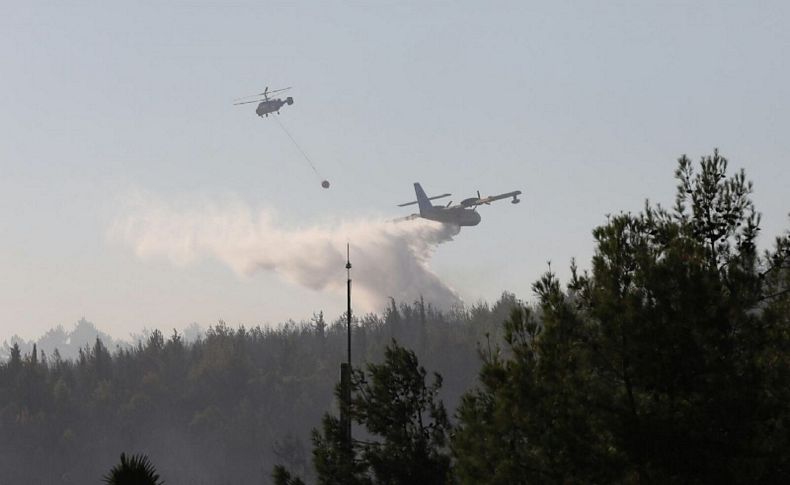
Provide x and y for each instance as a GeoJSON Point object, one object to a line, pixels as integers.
{"type": "Point", "coordinates": [475, 201]}
{"type": "Point", "coordinates": [429, 198]}
{"type": "Point", "coordinates": [492, 198]}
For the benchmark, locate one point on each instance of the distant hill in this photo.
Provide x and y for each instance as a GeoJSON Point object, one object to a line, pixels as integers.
{"type": "Point", "coordinates": [82, 335]}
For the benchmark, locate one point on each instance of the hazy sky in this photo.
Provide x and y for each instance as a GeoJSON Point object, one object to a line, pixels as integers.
{"type": "Point", "coordinates": [584, 106]}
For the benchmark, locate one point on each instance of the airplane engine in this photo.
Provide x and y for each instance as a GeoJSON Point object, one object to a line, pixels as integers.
{"type": "Point", "coordinates": [289, 100]}
{"type": "Point", "coordinates": [515, 201]}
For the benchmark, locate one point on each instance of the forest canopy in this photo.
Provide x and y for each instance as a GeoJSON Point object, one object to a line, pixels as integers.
{"type": "Point", "coordinates": [224, 408]}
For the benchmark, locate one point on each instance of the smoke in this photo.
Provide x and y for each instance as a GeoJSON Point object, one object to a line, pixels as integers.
{"type": "Point", "coordinates": [390, 259]}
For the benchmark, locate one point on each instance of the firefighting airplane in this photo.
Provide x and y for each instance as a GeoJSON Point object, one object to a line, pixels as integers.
{"type": "Point", "coordinates": [463, 214]}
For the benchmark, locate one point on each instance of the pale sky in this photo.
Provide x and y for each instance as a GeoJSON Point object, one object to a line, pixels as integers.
{"type": "Point", "coordinates": [584, 106]}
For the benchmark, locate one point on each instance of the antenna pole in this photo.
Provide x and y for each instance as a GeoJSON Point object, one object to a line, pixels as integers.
{"type": "Point", "coordinates": [348, 293]}
{"type": "Point", "coordinates": [345, 371]}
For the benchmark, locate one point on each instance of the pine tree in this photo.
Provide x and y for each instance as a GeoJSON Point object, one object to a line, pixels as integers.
{"type": "Point", "coordinates": [15, 360]}
{"type": "Point", "coordinates": [407, 423]}
{"type": "Point", "coordinates": [668, 363]}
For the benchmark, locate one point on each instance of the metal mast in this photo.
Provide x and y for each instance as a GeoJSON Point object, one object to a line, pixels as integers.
{"type": "Point", "coordinates": [348, 293]}
{"type": "Point", "coordinates": [345, 370]}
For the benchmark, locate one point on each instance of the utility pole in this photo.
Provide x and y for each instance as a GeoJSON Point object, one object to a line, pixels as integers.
{"type": "Point", "coordinates": [345, 368]}
{"type": "Point", "coordinates": [348, 297]}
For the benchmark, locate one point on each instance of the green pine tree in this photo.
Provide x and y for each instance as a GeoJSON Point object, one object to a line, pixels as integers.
{"type": "Point", "coordinates": [406, 428]}
{"type": "Point", "coordinates": [667, 363]}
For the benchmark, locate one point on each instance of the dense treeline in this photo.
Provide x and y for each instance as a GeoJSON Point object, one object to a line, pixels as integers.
{"type": "Point", "coordinates": [222, 409]}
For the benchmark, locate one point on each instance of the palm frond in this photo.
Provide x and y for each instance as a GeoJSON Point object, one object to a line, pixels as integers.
{"type": "Point", "coordinates": [133, 470]}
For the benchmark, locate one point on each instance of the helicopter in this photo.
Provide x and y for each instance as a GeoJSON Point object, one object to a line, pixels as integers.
{"type": "Point", "coordinates": [266, 105]}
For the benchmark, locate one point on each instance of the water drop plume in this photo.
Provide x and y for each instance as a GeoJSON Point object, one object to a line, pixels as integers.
{"type": "Point", "coordinates": [391, 259]}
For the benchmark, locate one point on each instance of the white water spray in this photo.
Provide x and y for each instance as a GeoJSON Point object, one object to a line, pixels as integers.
{"type": "Point", "coordinates": [390, 259]}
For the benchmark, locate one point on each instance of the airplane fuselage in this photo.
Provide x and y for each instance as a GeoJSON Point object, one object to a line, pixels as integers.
{"type": "Point", "coordinates": [452, 215]}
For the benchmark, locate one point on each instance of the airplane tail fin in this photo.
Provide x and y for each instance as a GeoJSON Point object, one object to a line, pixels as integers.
{"type": "Point", "coordinates": [422, 200]}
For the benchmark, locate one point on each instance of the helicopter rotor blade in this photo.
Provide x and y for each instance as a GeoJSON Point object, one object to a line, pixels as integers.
{"type": "Point", "coordinates": [248, 102]}
{"type": "Point", "coordinates": [265, 93]}
{"type": "Point", "coordinates": [250, 96]}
